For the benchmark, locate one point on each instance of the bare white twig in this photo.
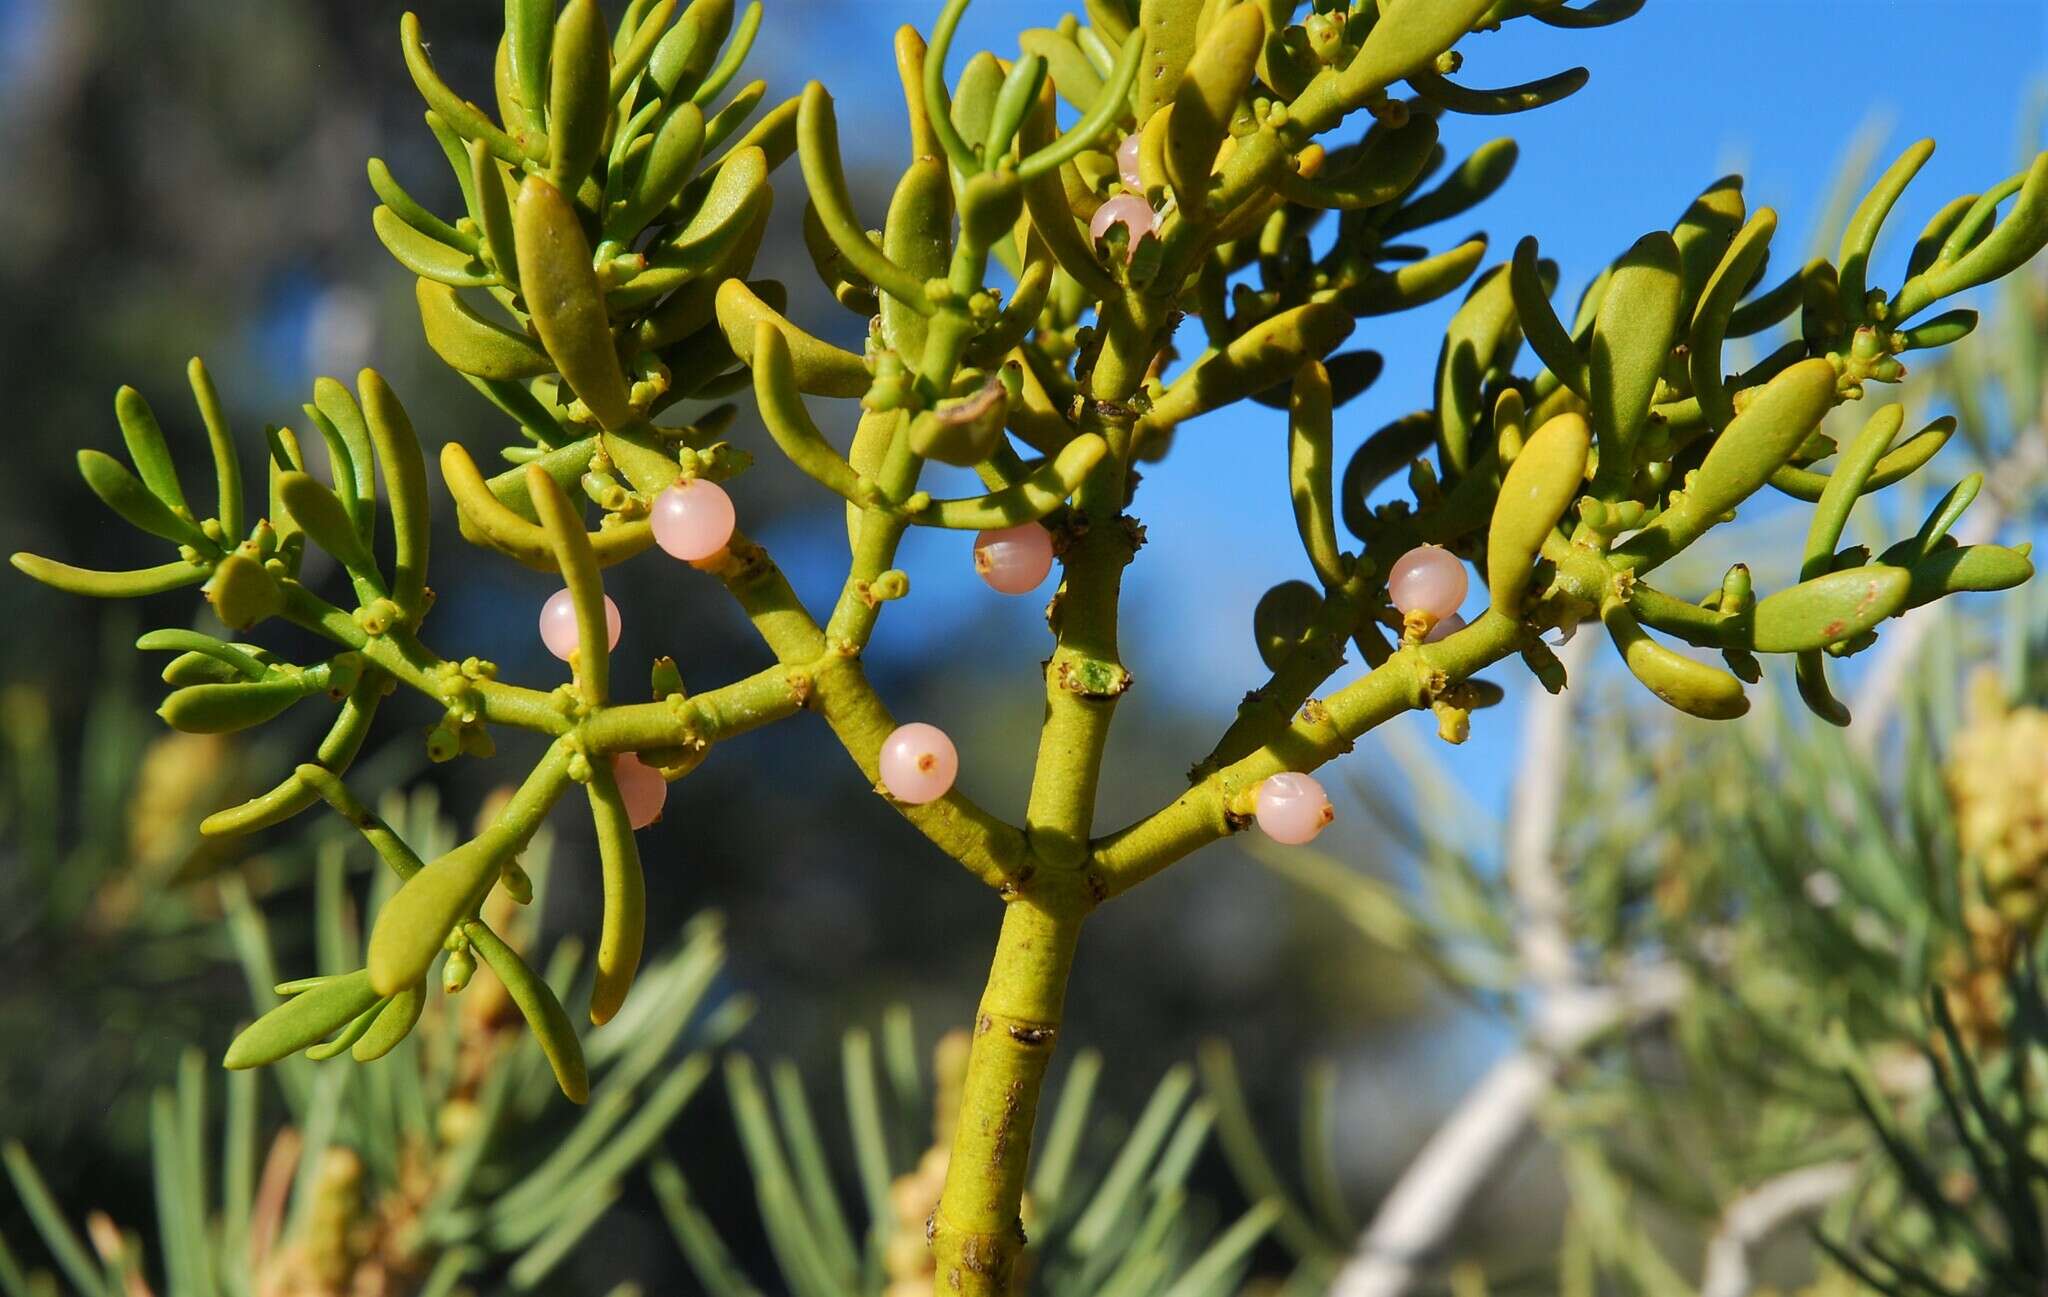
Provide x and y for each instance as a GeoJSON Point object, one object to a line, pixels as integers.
{"type": "Point", "coordinates": [1467, 1151]}
{"type": "Point", "coordinates": [1542, 930]}
{"type": "Point", "coordinates": [1447, 1173]}
{"type": "Point", "coordinates": [1751, 1219]}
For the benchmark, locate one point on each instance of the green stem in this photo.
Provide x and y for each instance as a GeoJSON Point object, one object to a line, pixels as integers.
{"type": "Point", "coordinates": [1266, 711]}
{"type": "Point", "coordinates": [1084, 677]}
{"type": "Point", "coordinates": [991, 848]}
{"type": "Point", "coordinates": [976, 1232]}
{"type": "Point", "coordinates": [766, 597]}
{"type": "Point", "coordinates": [838, 690]}
{"type": "Point", "coordinates": [946, 342]}
{"type": "Point", "coordinates": [853, 617]}
{"type": "Point", "coordinates": [1221, 804]}
{"type": "Point", "coordinates": [413, 664]}
{"type": "Point", "coordinates": [1133, 330]}
{"type": "Point", "coordinates": [702, 719]}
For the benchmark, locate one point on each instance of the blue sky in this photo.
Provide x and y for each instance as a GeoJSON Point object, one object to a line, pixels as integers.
{"type": "Point", "coordinates": [1686, 91]}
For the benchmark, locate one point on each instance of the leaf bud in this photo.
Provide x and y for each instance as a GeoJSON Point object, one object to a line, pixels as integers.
{"type": "Point", "coordinates": [1283, 618]}
{"type": "Point", "coordinates": [242, 592]}
{"type": "Point", "coordinates": [455, 974]}
{"type": "Point", "coordinates": [442, 744]}
{"type": "Point", "coordinates": [517, 882]}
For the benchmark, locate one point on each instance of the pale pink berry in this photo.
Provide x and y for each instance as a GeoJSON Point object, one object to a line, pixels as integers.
{"type": "Point", "coordinates": [1428, 578]}
{"type": "Point", "coordinates": [1444, 628]}
{"type": "Point", "coordinates": [641, 787]}
{"type": "Point", "coordinates": [1293, 808]}
{"type": "Point", "coordinates": [1127, 163]}
{"type": "Point", "coordinates": [693, 519]}
{"type": "Point", "coordinates": [918, 763]}
{"type": "Point", "coordinates": [558, 624]}
{"type": "Point", "coordinates": [1133, 213]}
{"type": "Point", "coordinates": [1015, 559]}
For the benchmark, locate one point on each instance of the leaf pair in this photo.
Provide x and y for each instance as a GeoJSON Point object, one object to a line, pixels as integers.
{"type": "Point", "coordinates": [155, 502]}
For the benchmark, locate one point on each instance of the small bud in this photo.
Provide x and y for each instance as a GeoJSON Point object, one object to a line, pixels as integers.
{"type": "Point", "coordinates": [1325, 36]}
{"type": "Point", "coordinates": [455, 974]}
{"type": "Point", "coordinates": [1737, 593]}
{"type": "Point", "coordinates": [1422, 482]}
{"type": "Point", "coordinates": [442, 744]}
{"type": "Point", "coordinates": [892, 584]}
{"type": "Point", "coordinates": [667, 679]}
{"type": "Point", "coordinates": [517, 882]}
{"type": "Point", "coordinates": [378, 616]}
{"type": "Point", "coordinates": [243, 593]}
{"type": "Point", "coordinates": [341, 674]}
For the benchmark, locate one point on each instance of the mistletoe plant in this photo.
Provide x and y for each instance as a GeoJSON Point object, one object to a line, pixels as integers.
{"type": "Point", "coordinates": [1207, 149]}
{"type": "Point", "coordinates": [1738, 1012]}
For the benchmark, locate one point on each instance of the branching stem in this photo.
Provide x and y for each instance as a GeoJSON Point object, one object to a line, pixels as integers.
{"type": "Point", "coordinates": [1218, 805]}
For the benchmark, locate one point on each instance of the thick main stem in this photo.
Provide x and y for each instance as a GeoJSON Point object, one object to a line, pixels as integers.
{"type": "Point", "coordinates": [1084, 677]}
{"type": "Point", "coordinates": [977, 1234]}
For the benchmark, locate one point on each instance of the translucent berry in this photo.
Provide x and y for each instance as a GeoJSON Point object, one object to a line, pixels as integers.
{"type": "Point", "coordinates": [1015, 559]}
{"type": "Point", "coordinates": [641, 787]}
{"type": "Point", "coordinates": [1447, 626]}
{"type": "Point", "coordinates": [1293, 808]}
{"type": "Point", "coordinates": [558, 624]}
{"type": "Point", "coordinates": [918, 763]}
{"type": "Point", "coordinates": [1428, 578]}
{"type": "Point", "coordinates": [1132, 212]}
{"type": "Point", "coordinates": [693, 519]}
{"type": "Point", "coordinates": [1127, 163]}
